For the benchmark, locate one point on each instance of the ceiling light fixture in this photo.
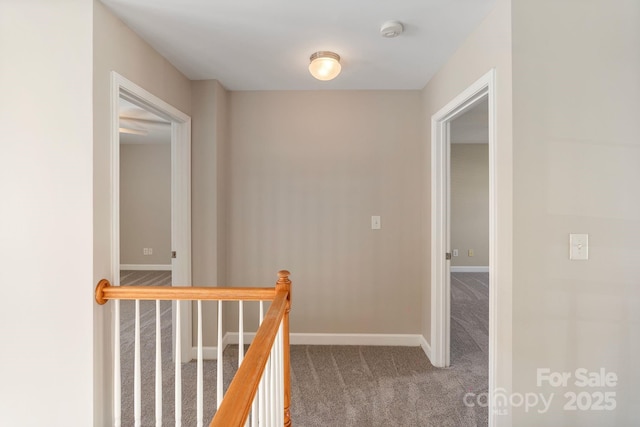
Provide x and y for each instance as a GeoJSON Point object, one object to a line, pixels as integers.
{"type": "Point", "coordinates": [325, 65]}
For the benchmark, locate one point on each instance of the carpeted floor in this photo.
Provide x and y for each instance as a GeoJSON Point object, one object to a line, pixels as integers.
{"type": "Point", "coordinates": [335, 385]}
{"type": "Point", "coordinates": [470, 335]}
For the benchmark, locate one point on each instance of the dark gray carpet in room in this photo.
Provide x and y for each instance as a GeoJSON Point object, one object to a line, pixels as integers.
{"type": "Point", "coordinates": [334, 385]}
{"type": "Point", "coordinates": [470, 335]}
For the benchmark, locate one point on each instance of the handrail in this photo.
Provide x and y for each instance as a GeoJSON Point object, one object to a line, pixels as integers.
{"type": "Point", "coordinates": [236, 405]}
{"type": "Point", "coordinates": [105, 291]}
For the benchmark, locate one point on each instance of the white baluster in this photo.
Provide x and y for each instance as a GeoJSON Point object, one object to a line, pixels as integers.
{"type": "Point", "coordinates": [117, 387]}
{"type": "Point", "coordinates": [274, 381]}
{"type": "Point", "coordinates": [262, 387]}
{"type": "Point", "coordinates": [280, 350]}
{"type": "Point", "coordinates": [199, 408]}
{"type": "Point", "coordinates": [137, 390]}
{"type": "Point", "coordinates": [276, 357]}
{"type": "Point", "coordinates": [262, 416]}
{"type": "Point", "coordinates": [267, 396]}
{"type": "Point", "coordinates": [178, 370]}
{"type": "Point", "coordinates": [254, 410]}
{"type": "Point", "coordinates": [241, 337]}
{"type": "Point", "coordinates": [261, 311]}
{"type": "Point", "coordinates": [158, 367]}
{"type": "Point", "coordinates": [240, 332]}
{"type": "Point", "coordinates": [219, 388]}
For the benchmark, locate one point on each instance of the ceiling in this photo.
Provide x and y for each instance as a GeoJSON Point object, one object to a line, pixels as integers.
{"type": "Point", "coordinates": [265, 45]}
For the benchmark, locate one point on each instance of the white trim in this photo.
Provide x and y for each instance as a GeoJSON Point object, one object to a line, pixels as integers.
{"type": "Point", "coordinates": [425, 347]}
{"type": "Point", "coordinates": [208, 353]}
{"type": "Point", "coordinates": [469, 269]}
{"type": "Point", "coordinates": [180, 189]}
{"type": "Point", "coordinates": [145, 267]}
{"type": "Point", "coordinates": [233, 338]}
{"type": "Point", "coordinates": [398, 340]}
{"type": "Point", "coordinates": [211, 353]}
{"type": "Point", "coordinates": [402, 340]}
{"type": "Point", "coordinates": [440, 238]}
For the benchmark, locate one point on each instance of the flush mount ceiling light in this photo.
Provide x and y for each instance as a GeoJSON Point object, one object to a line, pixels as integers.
{"type": "Point", "coordinates": [325, 65]}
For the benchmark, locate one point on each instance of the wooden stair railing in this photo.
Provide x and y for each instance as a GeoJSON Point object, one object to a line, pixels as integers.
{"type": "Point", "coordinates": [236, 405]}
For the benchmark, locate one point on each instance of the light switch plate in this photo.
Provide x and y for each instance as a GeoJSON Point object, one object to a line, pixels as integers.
{"type": "Point", "coordinates": [375, 223]}
{"type": "Point", "coordinates": [578, 247]}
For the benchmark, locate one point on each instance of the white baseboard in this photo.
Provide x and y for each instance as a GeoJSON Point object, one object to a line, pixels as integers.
{"type": "Point", "coordinates": [208, 353]}
{"type": "Point", "coordinates": [425, 347]}
{"type": "Point", "coordinates": [146, 267]}
{"type": "Point", "coordinates": [397, 340]}
{"type": "Point", "coordinates": [232, 338]}
{"type": "Point", "coordinates": [469, 269]}
{"type": "Point", "coordinates": [211, 352]}
{"type": "Point", "coordinates": [402, 340]}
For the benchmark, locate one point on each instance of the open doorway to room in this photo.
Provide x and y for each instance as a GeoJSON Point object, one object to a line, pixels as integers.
{"type": "Point", "coordinates": [145, 239]}
{"type": "Point", "coordinates": [150, 227]}
{"type": "Point", "coordinates": [443, 351]}
{"type": "Point", "coordinates": [145, 194]}
{"type": "Point", "coordinates": [469, 235]}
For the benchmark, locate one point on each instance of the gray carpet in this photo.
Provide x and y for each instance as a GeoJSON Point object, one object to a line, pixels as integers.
{"type": "Point", "coordinates": [335, 385]}
{"type": "Point", "coordinates": [470, 335]}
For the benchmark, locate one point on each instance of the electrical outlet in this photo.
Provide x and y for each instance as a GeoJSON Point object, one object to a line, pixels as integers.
{"type": "Point", "coordinates": [150, 251]}
{"type": "Point", "coordinates": [455, 252]}
{"type": "Point", "coordinates": [145, 251]}
{"type": "Point", "coordinates": [470, 252]}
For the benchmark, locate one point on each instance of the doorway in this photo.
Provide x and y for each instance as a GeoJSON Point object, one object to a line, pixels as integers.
{"type": "Point", "coordinates": [178, 251]}
{"type": "Point", "coordinates": [482, 91]}
{"type": "Point", "coordinates": [469, 240]}
{"type": "Point", "coordinates": [145, 190]}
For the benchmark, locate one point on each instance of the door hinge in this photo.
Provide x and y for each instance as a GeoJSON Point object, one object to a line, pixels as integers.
{"type": "Point", "coordinates": [448, 255]}
{"type": "Point", "coordinates": [173, 254]}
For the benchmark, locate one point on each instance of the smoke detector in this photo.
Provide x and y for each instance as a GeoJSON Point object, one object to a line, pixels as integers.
{"type": "Point", "coordinates": [391, 29]}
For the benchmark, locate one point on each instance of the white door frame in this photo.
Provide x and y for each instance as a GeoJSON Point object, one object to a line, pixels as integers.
{"type": "Point", "coordinates": [483, 88]}
{"type": "Point", "coordinates": [180, 191]}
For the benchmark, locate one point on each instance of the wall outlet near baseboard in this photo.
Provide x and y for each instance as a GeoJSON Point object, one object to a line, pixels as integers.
{"type": "Point", "coordinates": [147, 251]}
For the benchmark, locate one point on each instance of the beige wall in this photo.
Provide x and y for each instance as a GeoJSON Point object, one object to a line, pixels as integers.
{"type": "Point", "coordinates": [46, 280]}
{"type": "Point", "coordinates": [117, 48]}
{"type": "Point", "coordinates": [307, 172]}
{"type": "Point", "coordinates": [489, 46]}
{"type": "Point", "coordinates": [210, 152]}
{"type": "Point", "coordinates": [145, 203]}
{"type": "Point", "coordinates": [470, 203]}
{"type": "Point", "coordinates": [576, 170]}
